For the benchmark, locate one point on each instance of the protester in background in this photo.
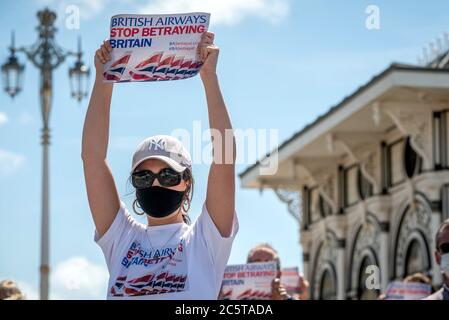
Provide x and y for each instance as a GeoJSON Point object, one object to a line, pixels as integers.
{"type": "Point", "coordinates": [10, 291]}
{"type": "Point", "coordinates": [266, 253]}
{"type": "Point", "coordinates": [418, 278]}
{"type": "Point", "coordinates": [442, 259]}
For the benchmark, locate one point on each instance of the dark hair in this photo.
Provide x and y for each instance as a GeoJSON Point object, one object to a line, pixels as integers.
{"type": "Point", "coordinates": [442, 228]}
{"type": "Point", "coordinates": [188, 195]}
{"type": "Point", "coordinates": [265, 245]}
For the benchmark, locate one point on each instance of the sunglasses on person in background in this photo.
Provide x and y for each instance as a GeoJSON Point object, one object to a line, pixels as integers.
{"type": "Point", "coordinates": [444, 248]}
{"type": "Point", "coordinates": [167, 177]}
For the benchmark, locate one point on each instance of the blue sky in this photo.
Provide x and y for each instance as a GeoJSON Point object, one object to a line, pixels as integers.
{"type": "Point", "coordinates": [282, 63]}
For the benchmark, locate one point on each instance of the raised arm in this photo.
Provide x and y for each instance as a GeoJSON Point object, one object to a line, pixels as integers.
{"type": "Point", "coordinates": [220, 198]}
{"type": "Point", "coordinates": [102, 192]}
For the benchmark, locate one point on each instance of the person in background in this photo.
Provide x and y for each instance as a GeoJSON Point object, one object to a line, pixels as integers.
{"type": "Point", "coordinates": [265, 253]}
{"type": "Point", "coordinates": [418, 277]}
{"type": "Point", "coordinates": [442, 259]}
{"type": "Point", "coordinates": [10, 291]}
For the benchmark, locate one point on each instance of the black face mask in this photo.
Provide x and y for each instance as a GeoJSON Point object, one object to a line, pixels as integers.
{"type": "Point", "coordinates": [159, 202]}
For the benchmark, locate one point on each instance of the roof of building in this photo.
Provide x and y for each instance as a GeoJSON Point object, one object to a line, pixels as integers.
{"type": "Point", "coordinates": [441, 63]}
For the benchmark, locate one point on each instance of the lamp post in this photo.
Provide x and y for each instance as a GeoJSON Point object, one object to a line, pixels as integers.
{"type": "Point", "coordinates": [46, 56]}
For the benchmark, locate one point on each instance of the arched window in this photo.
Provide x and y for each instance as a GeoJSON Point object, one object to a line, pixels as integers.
{"type": "Point", "coordinates": [415, 260]}
{"type": "Point", "coordinates": [412, 251]}
{"type": "Point", "coordinates": [328, 290]}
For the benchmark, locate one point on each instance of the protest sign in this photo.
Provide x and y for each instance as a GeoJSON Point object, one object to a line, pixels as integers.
{"type": "Point", "coordinates": [155, 47]}
{"type": "Point", "coordinates": [250, 281]}
{"type": "Point", "coordinates": [407, 291]}
{"type": "Point", "coordinates": [290, 279]}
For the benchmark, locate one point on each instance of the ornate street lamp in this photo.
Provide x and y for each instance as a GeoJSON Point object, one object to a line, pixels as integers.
{"type": "Point", "coordinates": [79, 76]}
{"type": "Point", "coordinates": [12, 72]}
{"type": "Point", "coordinates": [46, 56]}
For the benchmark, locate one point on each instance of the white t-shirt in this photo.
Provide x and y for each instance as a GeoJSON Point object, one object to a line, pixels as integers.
{"type": "Point", "coordinates": [170, 262]}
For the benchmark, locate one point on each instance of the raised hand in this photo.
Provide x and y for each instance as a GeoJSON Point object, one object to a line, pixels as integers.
{"type": "Point", "coordinates": [102, 55]}
{"type": "Point", "coordinates": [208, 53]}
{"type": "Point", "coordinates": [278, 291]}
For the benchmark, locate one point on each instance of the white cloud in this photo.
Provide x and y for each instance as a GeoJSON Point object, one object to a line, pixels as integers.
{"type": "Point", "coordinates": [78, 278]}
{"type": "Point", "coordinates": [28, 290]}
{"type": "Point", "coordinates": [229, 12]}
{"type": "Point", "coordinates": [3, 118]}
{"type": "Point", "coordinates": [75, 278]}
{"type": "Point", "coordinates": [10, 161]}
{"type": "Point", "coordinates": [87, 8]}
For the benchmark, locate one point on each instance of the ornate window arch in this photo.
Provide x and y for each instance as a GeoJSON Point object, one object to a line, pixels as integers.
{"type": "Point", "coordinates": [324, 276]}
{"type": "Point", "coordinates": [417, 257]}
{"type": "Point", "coordinates": [328, 283]}
{"type": "Point", "coordinates": [365, 246]}
{"type": "Point", "coordinates": [363, 292]}
{"type": "Point", "coordinates": [413, 239]}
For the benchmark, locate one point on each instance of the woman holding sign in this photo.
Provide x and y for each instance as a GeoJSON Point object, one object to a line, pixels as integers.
{"type": "Point", "coordinates": [167, 258]}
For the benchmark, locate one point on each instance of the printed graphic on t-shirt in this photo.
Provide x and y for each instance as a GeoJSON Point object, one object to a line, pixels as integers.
{"type": "Point", "coordinates": [154, 271]}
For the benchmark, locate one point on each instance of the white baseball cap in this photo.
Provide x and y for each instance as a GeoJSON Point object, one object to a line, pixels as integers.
{"type": "Point", "coordinates": [165, 148]}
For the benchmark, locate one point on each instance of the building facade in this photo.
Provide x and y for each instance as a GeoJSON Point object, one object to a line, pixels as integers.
{"type": "Point", "coordinates": [369, 182]}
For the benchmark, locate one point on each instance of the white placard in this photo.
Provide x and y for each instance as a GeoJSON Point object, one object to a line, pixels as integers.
{"type": "Point", "coordinates": [155, 47]}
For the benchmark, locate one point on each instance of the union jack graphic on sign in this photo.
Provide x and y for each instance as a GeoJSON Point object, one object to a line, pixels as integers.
{"type": "Point", "coordinates": [144, 70]}
{"type": "Point", "coordinates": [163, 67]}
{"type": "Point", "coordinates": [117, 68]}
{"type": "Point", "coordinates": [157, 67]}
{"type": "Point", "coordinates": [254, 295]}
{"type": "Point", "coordinates": [174, 67]}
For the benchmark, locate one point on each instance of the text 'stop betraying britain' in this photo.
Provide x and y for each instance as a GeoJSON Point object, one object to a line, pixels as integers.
{"type": "Point", "coordinates": [148, 32]}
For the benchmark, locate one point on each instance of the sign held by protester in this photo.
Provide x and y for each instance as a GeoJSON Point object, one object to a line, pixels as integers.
{"type": "Point", "coordinates": [250, 281]}
{"type": "Point", "coordinates": [398, 290]}
{"type": "Point", "coordinates": [155, 47]}
{"type": "Point", "coordinates": [290, 279]}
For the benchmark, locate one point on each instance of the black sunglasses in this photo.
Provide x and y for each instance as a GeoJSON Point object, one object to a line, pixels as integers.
{"type": "Point", "coordinates": [444, 248]}
{"type": "Point", "coordinates": [167, 177]}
